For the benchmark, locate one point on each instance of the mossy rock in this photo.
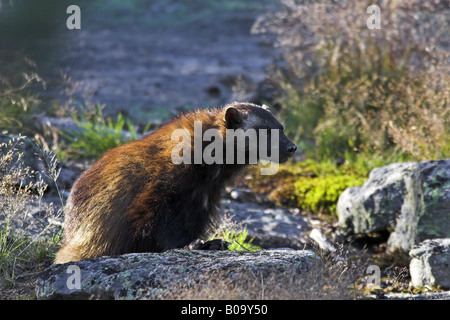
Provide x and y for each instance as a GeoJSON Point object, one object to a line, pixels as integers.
{"type": "Point", "coordinates": [144, 276]}
{"type": "Point", "coordinates": [410, 198]}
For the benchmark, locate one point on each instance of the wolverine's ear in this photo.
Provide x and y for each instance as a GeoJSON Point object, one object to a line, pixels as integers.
{"type": "Point", "coordinates": [233, 117]}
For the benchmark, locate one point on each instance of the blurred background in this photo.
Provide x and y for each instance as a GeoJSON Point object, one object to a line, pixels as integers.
{"type": "Point", "coordinates": [146, 59]}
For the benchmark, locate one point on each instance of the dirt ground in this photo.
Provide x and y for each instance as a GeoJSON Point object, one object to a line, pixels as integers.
{"type": "Point", "coordinates": [151, 59]}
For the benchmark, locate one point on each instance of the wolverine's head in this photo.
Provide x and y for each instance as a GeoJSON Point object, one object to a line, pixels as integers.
{"type": "Point", "coordinates": [264, 134]}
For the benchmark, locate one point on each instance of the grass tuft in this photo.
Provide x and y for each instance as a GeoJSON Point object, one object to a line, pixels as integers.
{"type": "Point", "coordinates": [22, 254]}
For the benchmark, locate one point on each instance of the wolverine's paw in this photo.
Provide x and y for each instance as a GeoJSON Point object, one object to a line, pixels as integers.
{"type": "Point", "coordinates": [215, 244]}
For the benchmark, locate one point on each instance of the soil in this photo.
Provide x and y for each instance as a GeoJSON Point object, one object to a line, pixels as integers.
{"type": "Point", "coordinates": [151, 59]}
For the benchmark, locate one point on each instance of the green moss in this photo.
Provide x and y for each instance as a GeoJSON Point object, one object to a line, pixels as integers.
{"type": "Point", "coordinates": [320, 194]}
{"type": "Point", "coordinates": [310, 185]}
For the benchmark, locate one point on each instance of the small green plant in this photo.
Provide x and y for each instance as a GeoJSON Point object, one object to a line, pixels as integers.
{"type": "Point", "coordinates": [238, 240]}
{"type": "Point", "coordinates": [233, 232]}
{"type": "Point", "coordinates": [98, 134]}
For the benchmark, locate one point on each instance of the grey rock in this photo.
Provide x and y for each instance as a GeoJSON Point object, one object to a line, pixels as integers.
{"type": "Point", "coordinates": [430, 264]}
{"type": "Point", "coordinates": [318, 237]}
{"type": "Point", "coordinates": [438, 295]}
{"type": "Point", "coordinates": [241, 194]}
{"type": "Point", "coordinates": [269, 227]}
{"type": "Point", "coordinates": [412, 199]}
{"type": "Point", "coordinates": [155, 275]}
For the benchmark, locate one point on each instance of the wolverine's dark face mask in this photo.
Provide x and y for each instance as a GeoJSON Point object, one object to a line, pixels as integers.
{"type": "Point", "coordinates": [259, 133]}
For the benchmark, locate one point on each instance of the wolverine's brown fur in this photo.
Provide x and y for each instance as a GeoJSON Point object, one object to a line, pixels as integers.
{"type": "Point", "coordinates": [135, 199]}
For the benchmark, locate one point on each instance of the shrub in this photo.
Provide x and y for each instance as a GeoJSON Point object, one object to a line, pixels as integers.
{"type": "Point", "coordinates": [98, 134]}
{"type": "Point", "coordinates": [234, 233]}
{"type": "Point", "coordinates": [238, 240]}
{"type": "Point", "coordinates": [18, 105]}
{"type": "Point", "coordinates": [346, 88]}
{"type": "Point", "coordinates": [20, 250]}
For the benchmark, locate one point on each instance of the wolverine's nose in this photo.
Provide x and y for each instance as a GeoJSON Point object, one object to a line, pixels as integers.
{"type": "Point", "coordinates": [291, 149]}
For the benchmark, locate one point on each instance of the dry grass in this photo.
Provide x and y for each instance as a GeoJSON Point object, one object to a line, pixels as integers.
{"type": "Point", "coordinates": [348, 88]}
{"type": "Point", "coordinates": [423, 129]}
{"type": "Point", "coordinates": [338, 278]}
{"type": "Point", "coordinates": [22, 254]}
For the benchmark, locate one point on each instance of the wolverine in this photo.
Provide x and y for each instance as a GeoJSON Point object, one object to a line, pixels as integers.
{"type": "Point", "coordinates": [136, 198]}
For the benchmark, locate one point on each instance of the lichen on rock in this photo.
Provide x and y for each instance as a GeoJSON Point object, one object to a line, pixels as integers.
{"type": "Point", "coordinates": [154, 275]}
{"type": "Point", "coordinates": [411, 198]}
